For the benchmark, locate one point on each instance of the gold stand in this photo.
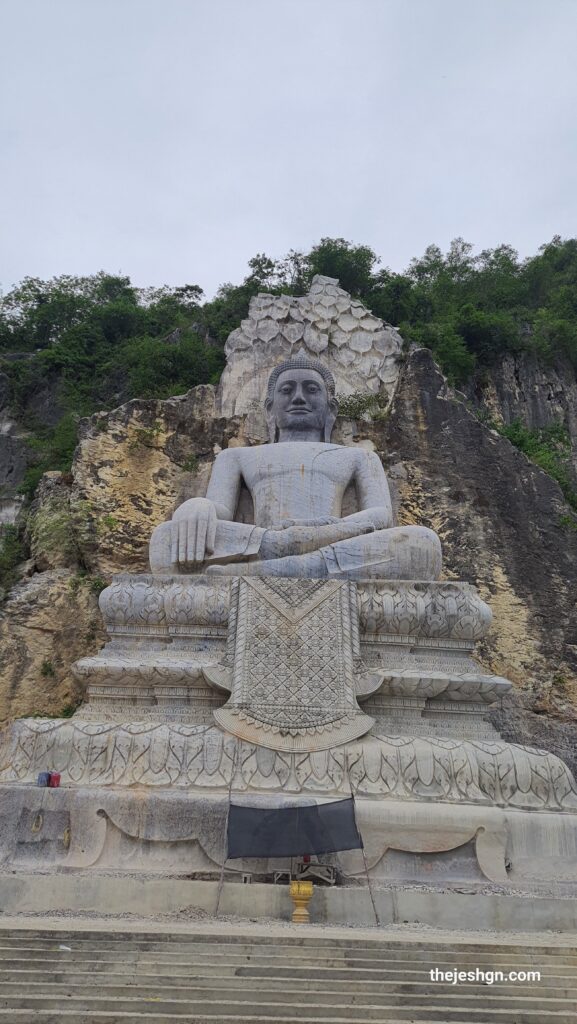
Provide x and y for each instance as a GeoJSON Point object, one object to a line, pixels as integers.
{"type": "Point", "coordinates": [301, 893]}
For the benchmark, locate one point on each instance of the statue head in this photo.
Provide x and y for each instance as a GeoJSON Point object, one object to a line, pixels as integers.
{"type": "Point", "coordinates": [300, 400]}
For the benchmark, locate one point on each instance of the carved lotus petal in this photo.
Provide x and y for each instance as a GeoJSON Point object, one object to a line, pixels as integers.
{"type": "Point", "coordinates": [278, 312]}
{"type": "Point", "coordinates": [267, 330]}
{"type": "Point", "coordinates": [212, 751]}
{"type": "Point", "coordinates": [315, 341]}
{"type": "Point", "coordinates": [339, 338]}
{"type": "Point", "coordinates": [387, 373]}
{"type": "Point", "coordinates": [361, 341]}
{"type": "Point", "coordinates": [347, 322]}
{"type": "Point", "coordinates": [425, 763]}
{"type": "Point", "coordinates": [370, 323]}
{"type": "Point", "coordinates": [292, 332]}
{"type": "Point", "coordinates": [383, 342]}
{"type": "Point", "coordinates": [265, 760]}
{"type": "Point", "coordinates": [345, 356]}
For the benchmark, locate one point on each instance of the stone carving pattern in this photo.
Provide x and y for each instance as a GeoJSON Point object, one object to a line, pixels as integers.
{"type": "Point", "coordinates": [421, 768]}
{"type": "Point", "coordinates": [452, 611]}
{"type": "Point", "coordinates": [291, 678]}
{"type": "Point", "coordinates": [199, 601]}
{"type": "Point", "coordinates": [134, 604]}
{"type": "Point", "coordinates": [359, 348]}
{"type": "Point", "coordinates": [290, 652]}
{"type": "Point", "coordinates": [448, 610]}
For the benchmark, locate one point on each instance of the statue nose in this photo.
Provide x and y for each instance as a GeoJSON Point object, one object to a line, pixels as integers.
{"type": "Point", "coordinates": [298, 397]}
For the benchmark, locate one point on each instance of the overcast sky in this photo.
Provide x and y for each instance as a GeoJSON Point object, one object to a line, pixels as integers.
{"type": "Point", "coordinates": [172, 140]}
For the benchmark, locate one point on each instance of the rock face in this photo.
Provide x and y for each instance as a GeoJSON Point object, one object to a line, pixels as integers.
{"type": "Point", "coordinates": [15, 453]}
{"type": "Point", "coordinates": [500, 520]}
{"type": "Point", "coordinates": [361, 351]}
{"type": "Point", "coordinates": [499, 517]}
{"type": "Point", "coordinates": [133, 466]}
{"type": "Point", "coordinates": [520, 388]}
{"type": "Point", "coordinates": [47, 622]}
{"type": "Point", "coordinates": [13, 459]}
{"type": "Point", "coordinates": [50, 529]}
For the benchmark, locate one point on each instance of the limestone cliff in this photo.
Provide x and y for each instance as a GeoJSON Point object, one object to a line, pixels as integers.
{"type": "Point", "coordinates": [504, 527]}
{"type": "Point", "coordinates": [502, 521]}
{"type": "Point", "coordinates": [538, 395]}
{"type": "Point", "coordinates": [48, 621]}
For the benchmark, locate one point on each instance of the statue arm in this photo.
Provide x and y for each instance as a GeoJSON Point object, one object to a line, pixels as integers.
{"type": "Point", "coordinates": [193, 528]}
{"type": "Point", "coordinates": [224, 486]}
{"type": "Point", "coordinates": [374, 497]}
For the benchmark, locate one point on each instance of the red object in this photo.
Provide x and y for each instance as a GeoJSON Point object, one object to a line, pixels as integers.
{"type": "Point", "coordinates": [306, 858]}
{"type": "Point", "coordinates": [54, 780]}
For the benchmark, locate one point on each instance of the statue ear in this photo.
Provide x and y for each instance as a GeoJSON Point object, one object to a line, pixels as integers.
{"type": "Point", "coordinates": [271, 423]}
{"type": "Point", "coordinates": [332, 414]}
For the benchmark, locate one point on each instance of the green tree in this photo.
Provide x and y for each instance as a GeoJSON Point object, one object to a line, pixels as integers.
{"type": "Point", "coordinates": [352, 264]}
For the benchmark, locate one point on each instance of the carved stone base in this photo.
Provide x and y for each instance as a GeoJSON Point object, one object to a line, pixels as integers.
{"type": "Point", "coordinates": [181, 833]}
{"type": "Point", "coordinates": [172, 650]}
{"type": "Point", "coordinates": [154, 754]}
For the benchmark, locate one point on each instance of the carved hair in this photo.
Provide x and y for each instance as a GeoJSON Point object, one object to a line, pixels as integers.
{"type": "Point", "coordinates": [302, 362]}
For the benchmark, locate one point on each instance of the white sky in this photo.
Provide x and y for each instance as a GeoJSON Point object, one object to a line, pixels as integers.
{"type": "Point", "coordinates": [172, 140]}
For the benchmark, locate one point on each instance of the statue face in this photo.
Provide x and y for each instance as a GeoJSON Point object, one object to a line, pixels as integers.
{"type": "Point", "coordinates": [300, 401]}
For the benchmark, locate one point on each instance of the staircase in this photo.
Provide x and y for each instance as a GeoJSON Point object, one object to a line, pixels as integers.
{"type": "Point", "coordinates": [110, 977]}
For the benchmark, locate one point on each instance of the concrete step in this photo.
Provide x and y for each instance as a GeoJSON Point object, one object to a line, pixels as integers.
{"type": "Point", "coordinates": [234, 953]}
{"type": "Point", "coordinates": [219, 973]}
{"type": "Point", "coordinates": [493, 998]}
{"type": "Point", "coordinates": [123, 978]}
{"type": "Point", "coordinates": [397, 981]}
{"type": "Point", "coordinates": [223, 966]}
{"type": "Point", "coordinates": [308, 939]}
{"type": "Point", "coordinates": [72, 1017]}
{"type": "Point", "coordinates": [283, 1012]}
{"type": "Point", "coordinates": [328, 958]}
{"type": "Point", "coordinates": [335, 947]}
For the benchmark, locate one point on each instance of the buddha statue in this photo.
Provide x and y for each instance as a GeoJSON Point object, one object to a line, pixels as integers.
{"type": "Point", "coordinates": [297, 483]}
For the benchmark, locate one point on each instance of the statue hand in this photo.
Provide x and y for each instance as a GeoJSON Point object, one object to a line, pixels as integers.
{"type": "Point", "coordinates": [193, 531]}
{"type": "Point", "coordinates": [321, 521]}
{"type": "Point", "coordinates": [300, 540]}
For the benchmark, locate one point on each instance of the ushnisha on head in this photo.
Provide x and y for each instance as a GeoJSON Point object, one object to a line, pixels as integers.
{"type": "Point", "coordinates": [300, 402]}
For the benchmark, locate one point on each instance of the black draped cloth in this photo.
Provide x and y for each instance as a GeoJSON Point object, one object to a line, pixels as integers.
{"type": "Point", "coordinates": [292, 831]}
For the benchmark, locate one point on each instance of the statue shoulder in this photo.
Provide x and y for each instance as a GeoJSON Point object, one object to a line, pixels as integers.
{"type": "Point", "coordinates": [229, 455]}
{"type": "Point", "coordinates": [368, 460]}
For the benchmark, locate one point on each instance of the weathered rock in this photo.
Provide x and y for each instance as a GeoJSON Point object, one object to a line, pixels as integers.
{"type": "Point", "coordinates": [133, 466]}
{"type": "Point", "coordinates": [500, 520]}
{"type": "Point", "coordinates": [15, 453]}
{"type": "Point", "coordinates": [520, 387]}
{"type": "Point", "coordinates": [50, 531]}
{"type": "Point", "coordinates": [47, 622]}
